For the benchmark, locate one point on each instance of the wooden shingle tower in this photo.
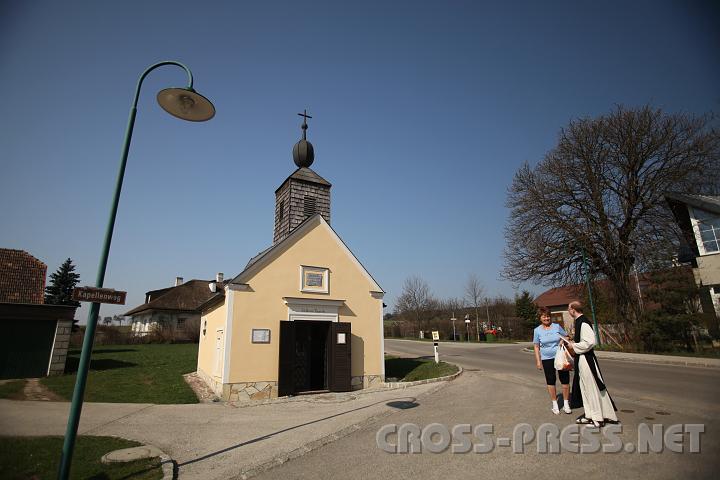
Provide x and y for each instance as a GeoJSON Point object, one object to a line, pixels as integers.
{"type": "Point", "coordinates": [304, 193]}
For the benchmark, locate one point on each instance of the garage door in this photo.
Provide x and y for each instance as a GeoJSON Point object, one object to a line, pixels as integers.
{"type": "Point", "coordinates": [25, 348]}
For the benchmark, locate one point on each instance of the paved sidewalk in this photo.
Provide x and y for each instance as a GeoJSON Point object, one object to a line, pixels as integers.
{"type": "Point", "coordinates": [214, 441]}
{"type": "Point", "coordinates": [650, 358]}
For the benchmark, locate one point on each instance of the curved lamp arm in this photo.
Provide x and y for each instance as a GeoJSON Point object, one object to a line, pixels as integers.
{"type": "Point", "coordinates": [153, 67]}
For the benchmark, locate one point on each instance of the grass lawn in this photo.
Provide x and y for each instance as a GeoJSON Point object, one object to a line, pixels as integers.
{"type": "Point", "coordinates": [413, 369]}
{"type": "Point", "coordinates": [12, 389]}
{"type": "Point", "coordinates": [24, 458]}
{"type": "Point", "coordinates": [132, 374]}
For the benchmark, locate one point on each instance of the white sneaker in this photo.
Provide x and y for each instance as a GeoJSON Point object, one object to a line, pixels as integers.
{"type": "Point", "coordinates": [555, 410]}
{"type": "Point", "coordinates": [566, 408]}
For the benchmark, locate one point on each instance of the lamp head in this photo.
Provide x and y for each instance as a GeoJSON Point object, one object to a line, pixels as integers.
{"type": "Point", "coordinates": [186, 103]}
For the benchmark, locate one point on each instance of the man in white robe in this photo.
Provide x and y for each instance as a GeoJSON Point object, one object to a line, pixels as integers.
{"type": "Point", "coordinates": [589, 389]}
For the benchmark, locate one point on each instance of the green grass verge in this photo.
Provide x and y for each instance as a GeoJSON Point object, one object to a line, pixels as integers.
{"type": "Point", "coordinates": [413, 369]}
{"type": "Point", "coordinates": [132, 374]}
{"type": "Point", "coordinates": [24, 458]}
{"type": "Point", "coordinates": [12, 389]}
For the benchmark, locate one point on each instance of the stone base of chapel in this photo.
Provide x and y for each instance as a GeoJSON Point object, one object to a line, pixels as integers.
{"type": "Point", "coordinates": [254, 391]}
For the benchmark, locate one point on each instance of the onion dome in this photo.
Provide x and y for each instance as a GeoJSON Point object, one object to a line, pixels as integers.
{"type": "Point", "coordinates": [303, 151]}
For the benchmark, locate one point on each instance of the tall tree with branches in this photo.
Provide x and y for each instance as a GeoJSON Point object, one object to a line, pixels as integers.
{"type": "Point", "coordinates": [599, 194]}
{"type": "Point", "coordinates": [415, 301]}
{"type": "Point", "coordinates": [474, 293]}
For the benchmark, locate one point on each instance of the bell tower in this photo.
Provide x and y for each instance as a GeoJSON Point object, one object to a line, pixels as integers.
{"type": "Point", "coordinates": [302, 194]}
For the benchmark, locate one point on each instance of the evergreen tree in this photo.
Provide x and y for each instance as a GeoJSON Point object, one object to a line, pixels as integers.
{"type": "Point", "coordinates": [526, 309]}
{"type": "Point", "coordinates": [62, 283]}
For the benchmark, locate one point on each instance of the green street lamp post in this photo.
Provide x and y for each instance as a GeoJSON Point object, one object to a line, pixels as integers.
{"type": "Point", "coordinates": [184, 103]}
{"type": "Point", "coordinates": [590, 295]}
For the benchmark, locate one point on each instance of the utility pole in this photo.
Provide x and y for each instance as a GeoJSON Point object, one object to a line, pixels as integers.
{"type": "Point", "coordinates": [477, 325]}
{"type": "Point", "coordinates": [487, 310]}
{"type": "Point", "coordinates": [637, 284]}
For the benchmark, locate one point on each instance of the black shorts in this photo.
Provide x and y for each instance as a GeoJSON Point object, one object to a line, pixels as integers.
{"type": "Point", "coordinates": [549, 369]}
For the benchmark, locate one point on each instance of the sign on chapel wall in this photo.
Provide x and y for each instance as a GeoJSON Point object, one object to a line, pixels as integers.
{"type": "Point", "coordinates": [314, 279]}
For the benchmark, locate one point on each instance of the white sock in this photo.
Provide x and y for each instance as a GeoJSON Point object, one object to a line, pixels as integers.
{"type": "Point", "coordinates": [555, 405]}
{"type": "Point", "coordinates": [566, 402]}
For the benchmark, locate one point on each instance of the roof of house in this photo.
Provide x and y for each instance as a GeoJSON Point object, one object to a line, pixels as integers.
{"type": "Point", "coordinates": [305, 174]}
{"type": "Point", "coordinates": [22, 277]}
{"type": "Point", "coordinates": [559, 295]}
{"type": "Point", "coordinates": [187, 297]}
{"type": "Point", "coordinates": [711, 203]}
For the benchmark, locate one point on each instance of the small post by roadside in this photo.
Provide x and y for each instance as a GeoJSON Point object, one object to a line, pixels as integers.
{"type": "Point", "coordinates": [436, 337]}
{"type": "Point", "coordinates": [467, 326]}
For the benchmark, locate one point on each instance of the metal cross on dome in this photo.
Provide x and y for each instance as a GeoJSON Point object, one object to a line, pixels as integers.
{"type": "Point", "coordinates": [304, 125]}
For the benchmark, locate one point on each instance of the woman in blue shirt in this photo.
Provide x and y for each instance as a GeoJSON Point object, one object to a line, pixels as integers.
{"type": "Point", "coordinates": [546, 339]}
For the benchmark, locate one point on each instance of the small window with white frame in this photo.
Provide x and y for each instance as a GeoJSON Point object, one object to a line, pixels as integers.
{"type": "Point", "coordinates": [314, 279]}
{"type": "Point", "coordinates": [707, 231]}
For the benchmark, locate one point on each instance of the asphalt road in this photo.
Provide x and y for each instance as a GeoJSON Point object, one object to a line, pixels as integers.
{"type": "Point", "coordinates": [501, 387]}
{"type": "Point", "coordinates": [694, 390]}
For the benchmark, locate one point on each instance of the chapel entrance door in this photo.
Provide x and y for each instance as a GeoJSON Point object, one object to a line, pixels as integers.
{"type": "Point", "coordinates": [311, 356]}
{"type": "Point", "coordinates": [311, 359]}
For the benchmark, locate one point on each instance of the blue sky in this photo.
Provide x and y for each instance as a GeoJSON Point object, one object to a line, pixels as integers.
{"type": "Point", "coordinates": [422, 112]}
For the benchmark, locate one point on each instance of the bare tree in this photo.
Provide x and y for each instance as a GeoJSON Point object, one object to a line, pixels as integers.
{"type": "Point", "coordinates": [452, 305]}
{"type": "Point", "coordinates": [474, 293]}
{"type": "Point", "coordinates": [598, 196]}
{"type": "Point", "coordinates": [415, 300]}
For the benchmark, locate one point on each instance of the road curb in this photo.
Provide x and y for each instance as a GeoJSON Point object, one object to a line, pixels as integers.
{"type": "Point", "coordinates": [305, 449]}
{"type": "Point", "coordinates": [402, 385]}
{"type": "Point", "coordinates": [626, 357]}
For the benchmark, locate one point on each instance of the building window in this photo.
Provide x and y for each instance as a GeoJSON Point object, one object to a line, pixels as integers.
{"type": "Point", "coordinates": [707, 229]}
{"type": "Point", "coordinates": [181, 323]}
{"type": "Point", "coordinates": [281, 213]}
{"type": "Point", "coordinates": [308, 206]}
{"type": "Point", "coordinates": [314, 279]}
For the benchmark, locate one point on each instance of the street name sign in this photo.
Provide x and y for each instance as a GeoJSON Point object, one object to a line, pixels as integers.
{"type": "Point", "coordinates": [99, 295]}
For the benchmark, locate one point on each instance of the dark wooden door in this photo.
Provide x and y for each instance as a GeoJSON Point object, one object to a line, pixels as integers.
{"type": "Point", "coordinates": [339, 357]}
{"type": "Point", "coordinates": [286, 364]}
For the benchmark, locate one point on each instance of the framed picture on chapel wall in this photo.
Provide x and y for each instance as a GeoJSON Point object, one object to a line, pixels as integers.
{"type": "Point", "coordinates": [314, 279]}
{"type": "Point", "coordinates": [260, 335]}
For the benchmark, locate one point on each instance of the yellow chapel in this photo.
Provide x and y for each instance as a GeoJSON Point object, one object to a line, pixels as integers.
{"type": "Point", "coordinates": [304, 315]}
